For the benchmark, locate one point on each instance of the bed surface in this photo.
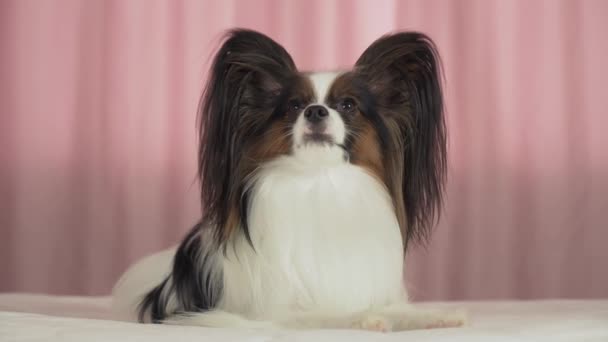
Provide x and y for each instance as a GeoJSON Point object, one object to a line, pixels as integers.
{"type": "Point", "coordinates": [53, 318]}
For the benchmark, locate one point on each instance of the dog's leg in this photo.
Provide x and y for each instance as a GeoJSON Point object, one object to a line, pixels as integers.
{"type": "Point", "coordinates": [323, 320]}
{"type": "Point", "coordinates": [396, 317]}
{"type": "Point", "coordinates": [405, 316]}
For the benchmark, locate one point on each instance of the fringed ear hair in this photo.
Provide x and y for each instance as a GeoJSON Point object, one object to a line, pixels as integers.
{"type": "Point", "coordinates": [403, 74]}
{"type": "Point", "coordinates": [246, 78]}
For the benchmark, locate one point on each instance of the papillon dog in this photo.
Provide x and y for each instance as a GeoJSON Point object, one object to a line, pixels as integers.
{"type": "Point", "coordinates": [312, 185]}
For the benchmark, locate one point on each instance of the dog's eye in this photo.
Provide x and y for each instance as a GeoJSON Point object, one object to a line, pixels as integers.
{"type": "Point", "coordinates": [294, 106]}
{"type": "Point", "coordinates": [346, 106]}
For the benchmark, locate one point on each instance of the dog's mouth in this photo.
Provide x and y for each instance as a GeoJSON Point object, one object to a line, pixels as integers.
{"type": "Point", "coordinates": [318, 138]}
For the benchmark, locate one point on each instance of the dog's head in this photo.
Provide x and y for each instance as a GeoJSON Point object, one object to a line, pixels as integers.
{"type": "Point", "coordinates": [385, 115]}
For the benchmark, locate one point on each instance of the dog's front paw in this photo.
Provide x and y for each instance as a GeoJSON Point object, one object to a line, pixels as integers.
{"type": "Point", "coordinates": [373, 323]}
{"type": "Point", "coordinates": [431, 320]}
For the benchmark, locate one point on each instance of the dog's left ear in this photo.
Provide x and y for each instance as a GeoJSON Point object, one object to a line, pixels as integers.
{"type": "Point", "coordinates": [403, 73]}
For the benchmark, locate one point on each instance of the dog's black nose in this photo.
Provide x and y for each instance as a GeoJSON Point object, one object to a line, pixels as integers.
{"type": "Point", "coordinates": [316, 113]}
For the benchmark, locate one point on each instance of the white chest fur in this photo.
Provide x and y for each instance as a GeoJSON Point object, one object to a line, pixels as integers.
{"type": "Point", "coordinates": [325, 238]}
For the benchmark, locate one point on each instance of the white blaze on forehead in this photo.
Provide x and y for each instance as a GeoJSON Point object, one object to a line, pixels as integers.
{"type": "Point", "coordinates": [334, 126]}
{"type": "Point", "coordinates": [322, 82]}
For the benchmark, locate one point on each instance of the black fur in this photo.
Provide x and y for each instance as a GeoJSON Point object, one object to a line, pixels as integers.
{"type": "Point", "coordinates": [154, 303]}
{"type": "Point", "coordinates": [245, 85]}
{"type": "Point", "coordinates": [403, 72]}
{"type": "Point", "coordinates": [195, 282]}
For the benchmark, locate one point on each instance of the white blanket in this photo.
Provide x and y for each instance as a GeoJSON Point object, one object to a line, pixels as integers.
{"type": "Point", "coordinates": [50, 318]}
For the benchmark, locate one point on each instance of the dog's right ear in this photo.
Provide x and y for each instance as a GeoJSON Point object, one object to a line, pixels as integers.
{"type": "Point", "coordinates": [249, 61]}
{"type": "Point", "coordinates": [248, 75]}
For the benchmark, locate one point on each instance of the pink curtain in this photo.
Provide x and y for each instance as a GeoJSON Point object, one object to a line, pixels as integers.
{"type": "Point", "coordinates": [97, 137]}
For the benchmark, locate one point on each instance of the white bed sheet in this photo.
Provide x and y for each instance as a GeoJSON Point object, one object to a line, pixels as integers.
{"type": "Point", "coordinates": [53, 318]}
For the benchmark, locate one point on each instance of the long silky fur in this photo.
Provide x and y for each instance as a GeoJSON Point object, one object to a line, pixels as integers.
{"type": "Point", "coordinates": [248, 69]}
{"type": "Point", "coordinates": [246, 79]}
{"type": "Point", "coordinates": [194, 283]}
{"type": "Point", "coordinates": [403, 72]}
